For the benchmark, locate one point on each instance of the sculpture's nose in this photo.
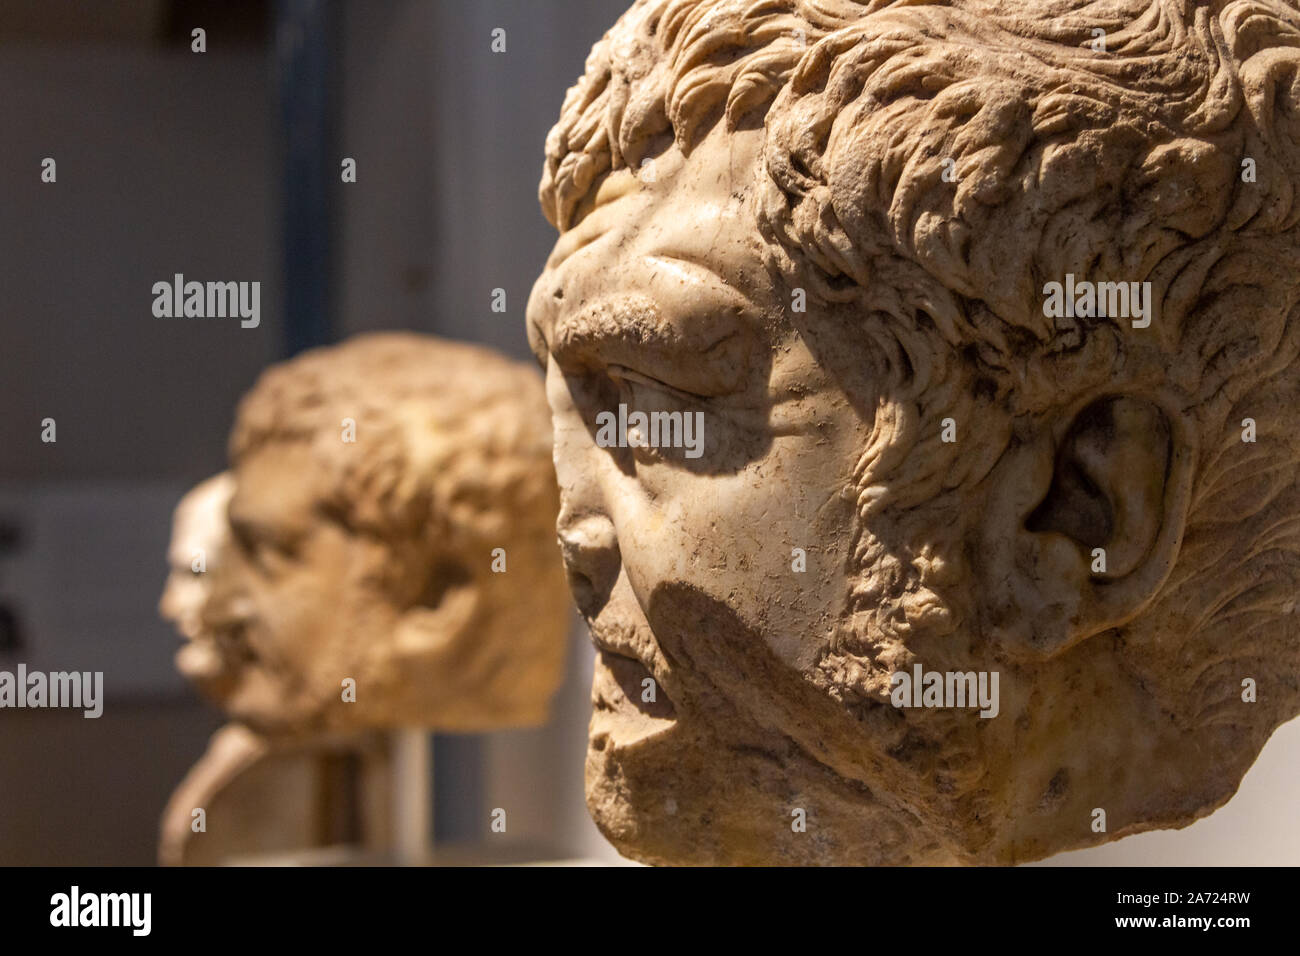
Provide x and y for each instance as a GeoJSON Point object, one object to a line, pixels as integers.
{"type": "Point", "coordinates": [228, 607]}
{"type": "Point", "coordinates": [591, 557]}
{"type": "Point", "coordinates": [588, 541]}
{"type": "Point", "coordinates": [169, 603]}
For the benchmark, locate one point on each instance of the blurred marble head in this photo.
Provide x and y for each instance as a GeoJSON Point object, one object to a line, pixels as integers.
{"type": "Point", "coordinates": [391, 558]}
{"type": "Point", "coordinates": [199, 542]}
{"type": "Point", "coordinates": [860, 249]}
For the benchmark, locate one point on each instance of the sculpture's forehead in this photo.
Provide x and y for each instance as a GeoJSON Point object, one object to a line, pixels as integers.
{"type": "Point", "coordinates": [673, 198]}
{"type": "Point", "coordinates": [678, 238]}
{"type": "Point", "coordinates": [279, 486]}
{"type": "Point", "coordinates": [200, 518]}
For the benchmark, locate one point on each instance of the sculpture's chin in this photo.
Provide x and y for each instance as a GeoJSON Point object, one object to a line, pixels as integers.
{"type": "Point", "coordinates": [719, 752]}
{"type": "Point", "coordinates": [703, 792]}
{"type": "Point", "coordinates": [200, 662]}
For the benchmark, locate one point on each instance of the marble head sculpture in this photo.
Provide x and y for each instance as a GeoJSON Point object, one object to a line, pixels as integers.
{"type": "Point", "coordinates": [983, 555]}
{"type": "Point", "coordinates": [392, 558]}
{"type": "Point", "coordinates": [200, 539]}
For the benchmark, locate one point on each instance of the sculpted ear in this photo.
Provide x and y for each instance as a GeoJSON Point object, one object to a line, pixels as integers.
{"type": "Point", "coordinates": [432, 630]}
{"type": "Point", "coordinates": [1083, 526]}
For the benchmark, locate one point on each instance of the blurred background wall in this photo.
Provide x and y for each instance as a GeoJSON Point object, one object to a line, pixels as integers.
{"type": "Point", "coordinates": [170, 161]}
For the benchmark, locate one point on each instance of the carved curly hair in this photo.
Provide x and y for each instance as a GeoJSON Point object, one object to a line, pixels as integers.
{"type": "Point", "coordinates": [453, 441]}
{"type": "Point", "coordinates": [1148, 140]}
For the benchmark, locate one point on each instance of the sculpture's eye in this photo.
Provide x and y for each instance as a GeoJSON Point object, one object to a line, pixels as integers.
{"type": "Point", "coordinates": [591, 390]}
{"type": "Point", "coordinates": [631, 379]}
{"type": "Point", "coordinates": [269, 553]}
{"type": "Point", "coordinates": [658, 421]}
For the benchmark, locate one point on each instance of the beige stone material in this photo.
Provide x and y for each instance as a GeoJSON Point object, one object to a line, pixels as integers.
{"type": "Point", "coordinates": [377, 485]}
{"type": "Point", "coordinates": [200, 538]}
{"type": "Point", "coordinates": [838, 237]}
{"type": "Point", "coordinates": [262, 795]}
{"type": "Point", "coordinates": [381, 555]}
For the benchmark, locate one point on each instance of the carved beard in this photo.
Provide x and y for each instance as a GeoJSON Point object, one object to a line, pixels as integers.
{"type": "Point", "coordinates": [751, 741]}
{"type": "Point", "coordinates": [905, 606]}
{"type": "Point", "coordinates": [752, 738]}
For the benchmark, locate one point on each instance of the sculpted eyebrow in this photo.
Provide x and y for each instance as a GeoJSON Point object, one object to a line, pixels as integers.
{"type": "Point", "coordinates": [250, 529]}
{"type": "Point", "coordinates": [701, 352]}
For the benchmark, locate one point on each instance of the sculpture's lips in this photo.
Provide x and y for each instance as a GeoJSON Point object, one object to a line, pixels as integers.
{"type": "Point", "coordinates": [200, 660]}
{"type": "Point", "coordinates": [212, 660]}
{"type": "Point", "coordinates": [627, 705]}
{"type": "Point", "coordinates": [235, 646]}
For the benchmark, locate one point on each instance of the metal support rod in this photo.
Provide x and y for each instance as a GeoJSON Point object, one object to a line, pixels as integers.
{"type": "Point", "coordinates": [412, 796]}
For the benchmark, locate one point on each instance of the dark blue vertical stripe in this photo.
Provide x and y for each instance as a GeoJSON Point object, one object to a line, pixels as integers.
{"type": "Point", "coordinates": [304, 47]}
